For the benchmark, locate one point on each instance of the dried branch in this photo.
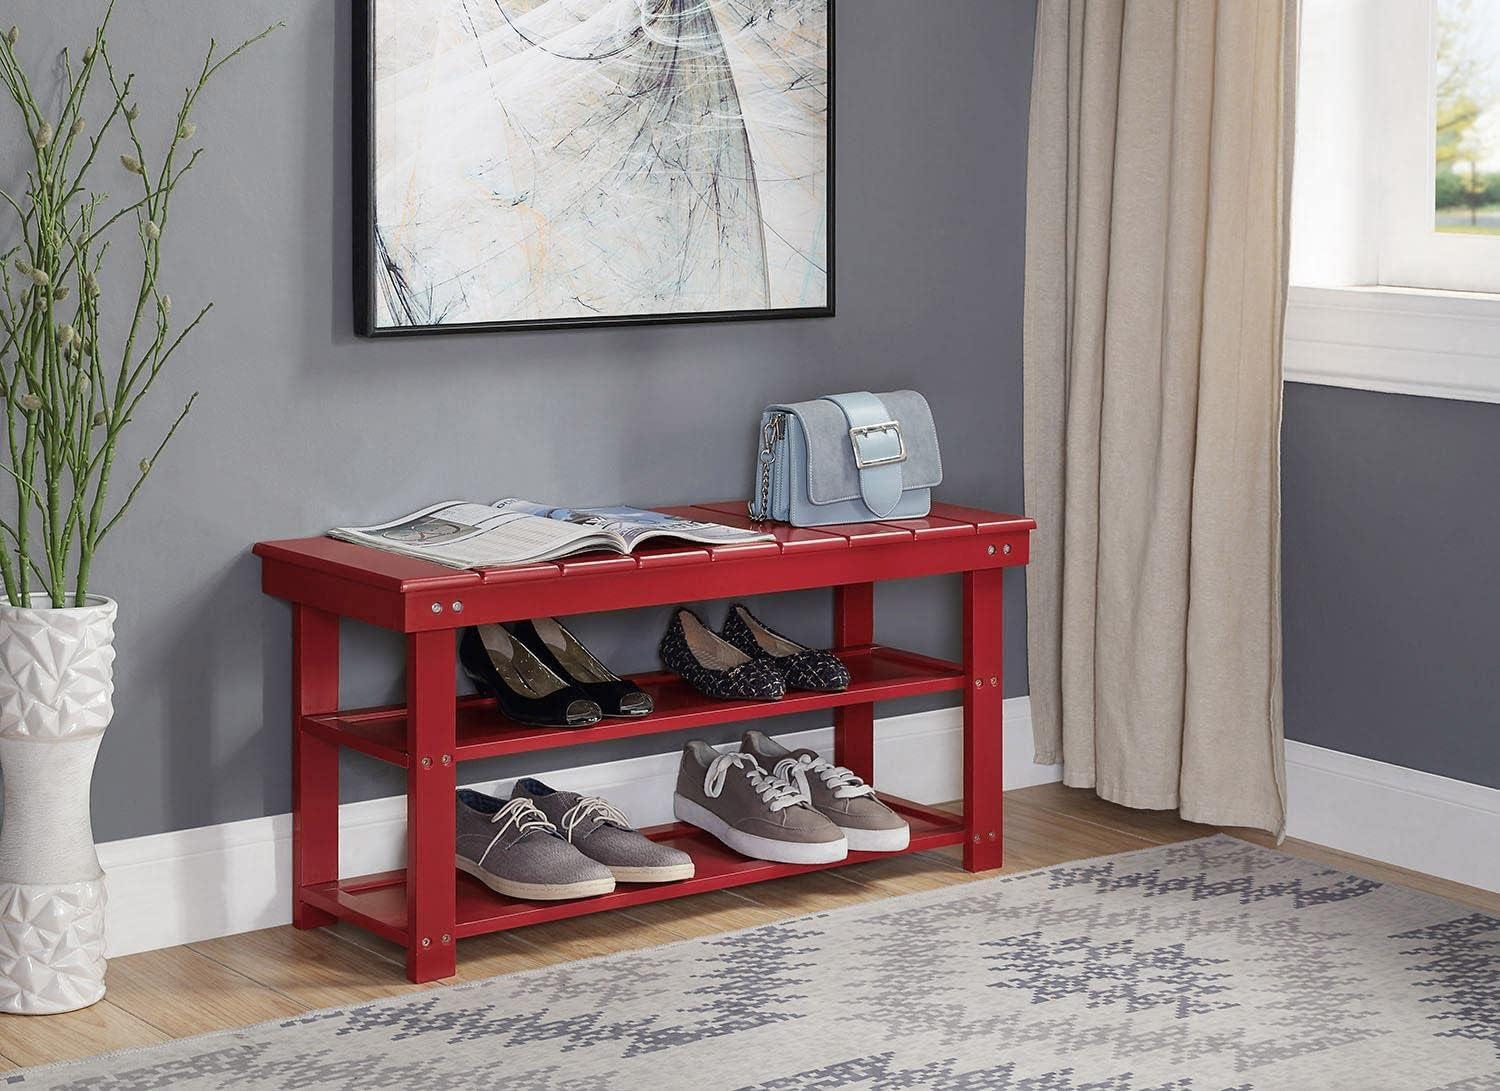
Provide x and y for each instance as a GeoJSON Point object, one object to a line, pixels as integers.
{"type": "Point", "coordinates": [69, 395]}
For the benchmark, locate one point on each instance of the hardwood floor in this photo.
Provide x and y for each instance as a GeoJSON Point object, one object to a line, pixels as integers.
{"type": "Point", "coordinates": [278, 972]}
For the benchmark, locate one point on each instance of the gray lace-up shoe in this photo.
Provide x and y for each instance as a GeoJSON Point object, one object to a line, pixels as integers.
{"type": "Point", "coordinates": [752, 811]}
{"type": "Point", "coordinates": [850, 803]}
{"type": "Point", "coordinates": [597, 829]}
{"type": "Point", "coordinates": [512, 849]}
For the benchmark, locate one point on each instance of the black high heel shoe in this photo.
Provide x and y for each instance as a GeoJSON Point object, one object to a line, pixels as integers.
{"type": "Point", "coordinates": [565, 654]}
{"type": "Point", "coordinates": [525, 689]}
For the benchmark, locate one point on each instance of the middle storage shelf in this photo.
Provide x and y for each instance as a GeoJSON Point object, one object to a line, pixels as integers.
{"type": "Point", "coordinates": [877, 673]}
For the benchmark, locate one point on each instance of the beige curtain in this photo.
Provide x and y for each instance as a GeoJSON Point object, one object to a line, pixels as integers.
{"type": "Point", "coordinates": [1156, 245]}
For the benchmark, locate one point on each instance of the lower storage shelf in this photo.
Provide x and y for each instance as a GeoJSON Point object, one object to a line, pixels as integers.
{"type": "Point", "coordinates": [378, 902]}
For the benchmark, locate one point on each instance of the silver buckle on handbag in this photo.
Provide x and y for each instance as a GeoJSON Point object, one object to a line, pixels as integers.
{"type": "Point", "coordinates": [862, 463]}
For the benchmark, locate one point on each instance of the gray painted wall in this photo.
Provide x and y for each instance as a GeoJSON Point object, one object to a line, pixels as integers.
{"type": "Point", "coordinates": [302, 426]}
{"type": "Point", "coordinates": [1391, 588]}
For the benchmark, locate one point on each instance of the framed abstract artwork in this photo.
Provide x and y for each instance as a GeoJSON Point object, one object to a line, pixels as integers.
{"type": "Point", "coordinates": [546, 163]}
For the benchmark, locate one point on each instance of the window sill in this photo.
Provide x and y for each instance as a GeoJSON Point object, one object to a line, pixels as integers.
{"type": "Point", "coordinates": [1396, 340]}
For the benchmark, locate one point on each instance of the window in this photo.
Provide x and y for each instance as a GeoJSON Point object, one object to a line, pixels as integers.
{"type": "Point", "coordinates": [1442, 225]}
{"type": "Point", "coordinates": [1395, 261]}
{"type": "Point", "coordinates": [1466, 117]}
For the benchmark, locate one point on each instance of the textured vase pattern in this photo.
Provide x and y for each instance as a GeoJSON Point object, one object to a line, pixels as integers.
{"type": "Point", "coordinates": [56, 671]}
{"type": "Point", "coordinates": [56, 699]}
{"type": "Point", "coordinates": [51, 946]}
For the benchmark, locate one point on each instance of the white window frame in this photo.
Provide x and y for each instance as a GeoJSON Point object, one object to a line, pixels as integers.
{"type": "Point", "coordinates": [1396, 340]}
{"type": "Point", "coordinates": [1412, 254]}
{"type": "Point", "coordinates": [1362, 218]}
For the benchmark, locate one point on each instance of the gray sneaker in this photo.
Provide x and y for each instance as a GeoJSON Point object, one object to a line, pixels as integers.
{"type": "Point", "coordinates": [514, 850]}
{"type": "Point", "coordinates": [752, 811]}
{"type": "Point", "coordinates": [834, 791]}
{"type": "Point", "coordinates": [597, 829]}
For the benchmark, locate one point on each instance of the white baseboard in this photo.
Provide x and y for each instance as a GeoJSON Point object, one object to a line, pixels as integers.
{"type": "Point", "coordinates": [189, 885]}
{"type": "Point", "coordinates": [1397, 815]}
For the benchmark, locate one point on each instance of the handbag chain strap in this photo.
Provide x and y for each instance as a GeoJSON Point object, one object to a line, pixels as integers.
{"type": "Point", "coordinates": [770, 434]}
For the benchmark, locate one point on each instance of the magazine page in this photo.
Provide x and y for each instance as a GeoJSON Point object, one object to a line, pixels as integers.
{"type": "Point", "coordinates": [464, 535]}
{"type": "Point", "coordinates": [631, 526]}
{"type": "Point", "coordinates": [635, 525]}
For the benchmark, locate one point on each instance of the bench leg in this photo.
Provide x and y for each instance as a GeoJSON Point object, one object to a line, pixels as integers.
{"type": "Point", "coordinates": [983, 776]}
{"type": "Point", "coordinates": [854, 725]}
{"type": "Point", "coordinates": [315, 762]}
{"type": "Point", "coordinates": [430, 783]}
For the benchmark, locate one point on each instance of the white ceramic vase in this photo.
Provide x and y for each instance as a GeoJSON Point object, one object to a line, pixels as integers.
{"type": "Point", "coordinates": [56, 699]}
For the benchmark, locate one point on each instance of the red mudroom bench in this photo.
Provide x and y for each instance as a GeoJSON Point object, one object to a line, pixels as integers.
{"type": "Point", "coordinates": [427, 906]}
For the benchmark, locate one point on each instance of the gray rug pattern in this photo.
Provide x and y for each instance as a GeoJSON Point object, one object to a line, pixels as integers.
{"type": "Point", "coordinates": [1209, 964]}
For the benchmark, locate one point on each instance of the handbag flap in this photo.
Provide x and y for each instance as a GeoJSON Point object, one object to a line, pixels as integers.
{"type": "Point", "coordinates": [832, 475]}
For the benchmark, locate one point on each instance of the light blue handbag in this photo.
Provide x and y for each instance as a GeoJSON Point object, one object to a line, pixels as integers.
{"type": "Point", "coordinates": [847, 458]}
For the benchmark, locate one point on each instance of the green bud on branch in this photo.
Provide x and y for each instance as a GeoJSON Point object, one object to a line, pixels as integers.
{"type": "Point", "coordinates": [132, 164]}
{"type": "Point", "coordinates": [38, 277]}
{"type": "Point", "coordinates": [91, 284]}
{"type": "Point", "coordinates": [88, 54]}
{"type": "Point", "coordinates": [152, 231]}
{"type": "Point", "coordinates": [187, 130]}
{"type": "Point", "coordinates": [62, 292]}
{"type": "Point", "coordinates": [77, 126]}
{"type": "Point", "coordinates": [13, 35]}
{"type": "Point", "coordinates": [101, 418]}
{"type": "Point", "coordinates": [29, 402]}
{"type": "Point", "coordinates": [133, 111]}
{"type": "Point", "coordinates": [43, 136]}
{"type": "Point", "coordinates": [145, 466]}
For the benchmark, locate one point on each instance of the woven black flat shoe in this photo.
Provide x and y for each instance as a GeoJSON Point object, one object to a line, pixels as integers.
{"type": "Point", "coordinates": [802, 667]}
{"type": "Point", "coordinates": [521, 684]}
{"type": "Point", "coordinates": [713, 667]}
{"type": "Point", "coordinates": [565, 654]}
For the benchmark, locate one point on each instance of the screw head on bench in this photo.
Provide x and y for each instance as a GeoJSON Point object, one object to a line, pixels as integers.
{"type": "Point", "coordinates": [991, 550]}
{"type": "Point", "coordinates": [426, 941]}
{"type": "Point", "coordinates": [447, 759]}
{"type": "Point", "coordinates": [976, 839]}
{"type": "Point", "coordinates": [1006, 547]}
{"type": "Point", "coordinates": [426, 763]}
{"type": "Point", "coordinates": [458, 607]}
{"type": "Point", "coordinates": [449, 939]}
{"type": "Point", "coordinates": [978, 682]}
{"type": "Point", "coordinates": [437, 607]}
{"type": "Point", "coordinates": [994, 681]}
{"type": "Point", "coordinates": [992, 835]}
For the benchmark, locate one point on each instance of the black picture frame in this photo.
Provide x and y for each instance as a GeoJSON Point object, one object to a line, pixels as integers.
{"type": "Point", "coordinates": [363, 110]}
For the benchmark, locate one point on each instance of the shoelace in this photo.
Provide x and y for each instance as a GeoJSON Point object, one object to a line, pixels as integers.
{"type": "Point", "coordinates": [519, 814]}
{"type": "Point", "coordinates": [841, 781]}
{"type": "Point", "coordinates": [591, 807]}
{"type": "Point", "coordinates": [774, 792]}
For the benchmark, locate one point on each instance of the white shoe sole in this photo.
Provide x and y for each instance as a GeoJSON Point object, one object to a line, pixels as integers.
{"type": "Point", "coordinates": [535, 892]}
{"type": "Point", "coordinates": [668, 873]}
{"type": "Point", "coordinates": [755, 846]}
{"type": "Point", "coordinates": [892, 840]}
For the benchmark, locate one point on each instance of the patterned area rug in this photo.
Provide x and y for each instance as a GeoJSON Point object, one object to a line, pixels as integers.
{"type": "Point", "coordinates": [1208, 964]}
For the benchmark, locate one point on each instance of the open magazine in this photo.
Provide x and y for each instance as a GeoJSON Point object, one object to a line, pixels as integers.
{"type": "Point", "coordinates": [512, 531]}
